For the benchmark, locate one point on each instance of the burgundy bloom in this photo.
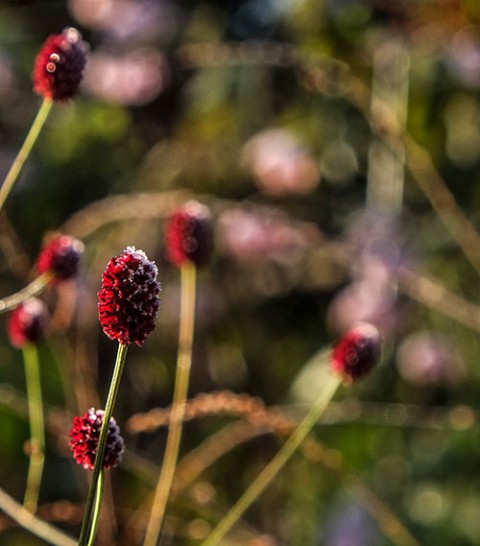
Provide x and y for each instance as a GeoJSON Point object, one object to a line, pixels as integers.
{"type": "Point", "coordinates": [61, 257]}
{"type": "Point", "coordinates": [189, 235]}
{"type": "Point", "coordinates": [357, 352]}
{"type": "Point", "coordinates": [27, 323]}
{"type": "Point", "coordinates": [84, 436]}
{"type": "Point", "coordinates": [59, 66]}
{"type": "Point", "coordinates": [128, 298]}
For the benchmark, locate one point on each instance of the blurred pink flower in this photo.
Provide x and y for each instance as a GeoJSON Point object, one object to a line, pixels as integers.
{"type": "Point", "coordinates": [135, 78]}
{"type": "Point", "coordinates": [462, 57]}
{"type": "Point", "coordinates": [247, 235]}
{"type": "Point", "coordinates": [429, 358]}
{"type": "Point", "coordinates": [279, 164]}
{"type": "Point", "coordinates": [125, 19]}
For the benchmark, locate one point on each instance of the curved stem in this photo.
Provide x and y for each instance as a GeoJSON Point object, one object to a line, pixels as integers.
{"type": "Point", "coordinates": [184, 361]}
{"type": "Point", "coordinates": [276, 464]}
{"type": "Point", "coordinates": [102, 442]}
{"type": "Point", "coordinates": [37, 427]}
{"type": "Point", "coordinates": [96, 509]}
{"type": "Point", "coordinates": [25, 150]}
{"type": "Point", "coordinates": [38, 527]}
{"type": "Point", "coordinates": [8, 303]}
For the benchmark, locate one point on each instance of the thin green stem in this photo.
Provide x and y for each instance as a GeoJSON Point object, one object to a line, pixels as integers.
{"type": "Point", "coordinates": [184, 362]}
{"type": "Point", "coordinates": [25, 149]}
{"type": "Point", "coordinates": [96, 509]}
{"type": "Point", "coordinates": [102, 442]}
{"type": "Point", "coordinates": [8, 303]}
{"type": "Point", "coordinates": [276, 464]}
{"type": "Point", "coordinates": [37, 427]}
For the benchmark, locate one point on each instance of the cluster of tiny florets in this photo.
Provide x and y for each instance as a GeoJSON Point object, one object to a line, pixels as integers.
{"type": "Point", "coordinates": [28, 323]}
{"type": "Point", "coordinates": [129, 297]}
{"type": "Point", "coordinates": [60, 257]}
{"type": "Point", "coordinates": [84, 437]}
{"type": "Point", "coordinates": [189, 235]}
{"type": "Point", "coordinates": [357, 352]}
{"type": "Point", "coordinates": [59, 66]}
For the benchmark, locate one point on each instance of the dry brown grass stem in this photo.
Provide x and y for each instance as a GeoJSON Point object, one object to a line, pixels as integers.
{"type": "Point", "coordinates": [259, 420]}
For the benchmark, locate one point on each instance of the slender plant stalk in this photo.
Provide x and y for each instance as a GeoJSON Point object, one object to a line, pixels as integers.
{"type": "Point", "coordinates": [184, 361]}
{"type": "Point", "coordinates": [25, 149]}
{"type": "Point", "coordinates": [93, 499]}
{"type": "Point", "coordinates": [276, 464]}
{"type": "Point", "coordinates": [38, 527]}
{"type": "Point", "coordinates": [37, 427]}
{"type": "Point", "coordinates": [8, 303]}
{"type": "Point", "coordinates": [96, 509]}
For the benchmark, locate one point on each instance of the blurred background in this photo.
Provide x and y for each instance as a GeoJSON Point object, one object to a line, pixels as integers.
{"type": "Point", "coordinates": [337, 145]}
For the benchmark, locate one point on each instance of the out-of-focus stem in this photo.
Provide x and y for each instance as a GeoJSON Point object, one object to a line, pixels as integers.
{"type": "Point", "coordinates": [9, 303]}
{"type": "Point", "coordinates": [276, 464]}
{"type": "Point", "coordinates": [25, 150]}
{"type": "Point", "coordinates": [37, 428]}
{"type": "Point", "coordinates": [184, 361]}
{"type": "Point", "coordinates": [36, 526]}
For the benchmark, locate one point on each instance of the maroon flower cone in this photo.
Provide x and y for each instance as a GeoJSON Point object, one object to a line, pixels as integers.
{"type": "Point", "coordinates": [357, 352]}
{"type": "Point", "coordinates": [59, 66]}
{"type": "Point", "coordinates": [189, 235]}
{"type": "Point", "coordinates": [84, 437]}
{"type": "Point", "coordinates": [28, 323]}
{"type": "Point", "coordinates": [61, 257]}
{"type": "Point", "coordinates": [128, 298]}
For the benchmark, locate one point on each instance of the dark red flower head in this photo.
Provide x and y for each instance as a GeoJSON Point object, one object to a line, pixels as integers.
{"type": "Point", "coordinates": [189, 235]}
{"type": "Point", "coordinates": [61, 257]}
{"type": "Point", "coordinates": [357, 352]}
{"type": "Point", "coordinates": [128, 298]}
{"type": "Point", "coordinates": [59, 66]}
{"type": "Point", "coordinates": [84, 436]}
{"type": "Point", "coordinates": [28, 323]}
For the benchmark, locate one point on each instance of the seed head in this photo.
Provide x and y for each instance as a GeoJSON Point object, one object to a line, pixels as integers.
{"type": "Point", "coordinates": [357, 352]}
{"type": "Point", "coordinates": [28, 323]}
{"type": "Point", "coordinates": [128, 298]}
{"type": "Point", "coordinates": [84, 436]}
{"type": "Point", "coordinates": [189, 235]}
{"type": "Point", "coordinates": [61, 257]}
{"type": "Point", "coordinates": [59, 66]}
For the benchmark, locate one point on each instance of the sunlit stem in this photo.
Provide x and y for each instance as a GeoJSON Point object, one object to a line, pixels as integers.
{"type": "Point", "coordinates": [37, 427]}
{"type": "Point", "coordinates": [25, 150]}
{"type": "Point", "coordinates": [276, 464]}
{"type": "Point", "coordinates": [184, 361]}
{"type": "Point", "coordinates": [94, 497]}
{"type": "Point", "coordinates": [8, 303]}
{"type": "Point", "coordinates": [97, 507]}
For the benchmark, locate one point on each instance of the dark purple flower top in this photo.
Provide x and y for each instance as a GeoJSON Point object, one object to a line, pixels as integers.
{"type": "Point", "coordinates": [59, 66]}
{"type": "Point", "coordinates": [129, 297]}
{"type": "Point", "coordinates": [84, 437]}
{"type": "Point", "coordinates": [357, 352]}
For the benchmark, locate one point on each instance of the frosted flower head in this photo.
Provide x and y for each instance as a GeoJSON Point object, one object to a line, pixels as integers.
{"type": "Point", "coordinates": [357, 352]}
{"type": "Point", "coordinates": [60, 257]}
{"type": "Point", "coordinates": [59, 66]}
{"type": "Point", "coordinates": [129, 297]}
{"type": "Point", "coordinates": [189, 235]}
{"type": "Point", "coordinates": [84, 437]}
{"type": "Point", "coordinates": [28, 323]}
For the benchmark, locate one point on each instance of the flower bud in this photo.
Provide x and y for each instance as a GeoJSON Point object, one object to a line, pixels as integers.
{"type": "Point", "coordinates": [357, 352]}
{"type": "Point", "coordinates": [84, 437]}
{"type": "Point", "coordinates": [128, 298]}
{"type": "Point", "coordinates": [61, 257]}
{"type": "Point", "coordinates": [59, 66]}
{"type": "Point", "coordinates": [28, 323]}
{"type": "Point", "coordinates": [189, 235]}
